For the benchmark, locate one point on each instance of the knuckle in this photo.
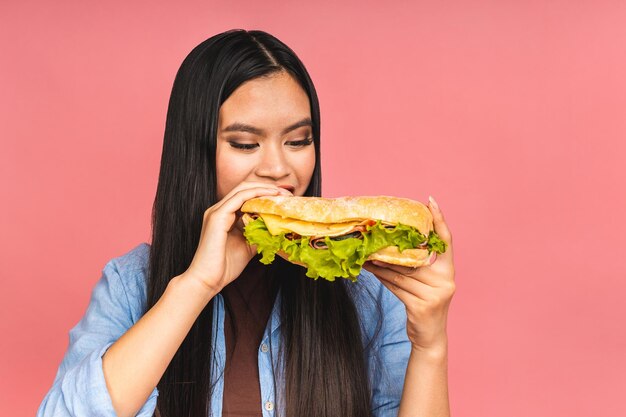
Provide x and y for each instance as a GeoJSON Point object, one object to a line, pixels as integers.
{"type": "Point", "coordinates": [423, 309]}
{"type": "Point", "coordinates": [447, 291]}
{"type": "Point", "coordinates": [397, 278]}
{"type": "Point", "coordinates": [209, 212]}
{"type": "Point", "coordinates": [435, 300]}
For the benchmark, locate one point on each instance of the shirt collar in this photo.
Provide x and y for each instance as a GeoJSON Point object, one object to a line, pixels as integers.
{"type": "Point", "coordinates": [275, 316]}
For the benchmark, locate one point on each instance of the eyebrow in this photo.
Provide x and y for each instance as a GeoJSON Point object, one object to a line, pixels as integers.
{"type": "Point", "coordinates": [242, 127]}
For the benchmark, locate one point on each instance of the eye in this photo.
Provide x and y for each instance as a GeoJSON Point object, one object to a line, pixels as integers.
{"type": "Point", "coordinates": [244, 146]}
{"type": "Point", "coordinates": [301, 143]}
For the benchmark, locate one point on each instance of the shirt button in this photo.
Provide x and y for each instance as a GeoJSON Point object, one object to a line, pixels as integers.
{"type": "Point", "coordinates": [264, 348]}
{"type": "Point", "coordinates": [269, 406]}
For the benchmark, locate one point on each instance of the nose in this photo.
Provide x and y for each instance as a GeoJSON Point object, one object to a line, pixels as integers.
{"type": "Point", "coordinates": [273, 164]}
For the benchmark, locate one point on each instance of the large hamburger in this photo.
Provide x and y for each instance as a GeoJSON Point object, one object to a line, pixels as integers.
{"type": "Point", "coordinates": [333, 237]}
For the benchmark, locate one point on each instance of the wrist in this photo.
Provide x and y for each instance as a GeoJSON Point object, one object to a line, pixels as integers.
{"type": "Point", "coordinates": [192, 288]}
{"type": "Point", "coordinates": [436, 351]}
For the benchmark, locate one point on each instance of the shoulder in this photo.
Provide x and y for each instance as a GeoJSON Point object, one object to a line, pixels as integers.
{"type": "Point", "coordinates": [127, 274]}
{"type": "Point", "coordinates": [133, 261]}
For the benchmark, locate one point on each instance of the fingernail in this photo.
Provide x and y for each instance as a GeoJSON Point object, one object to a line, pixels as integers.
{"type": "Point", "coordinates": [433, 202]}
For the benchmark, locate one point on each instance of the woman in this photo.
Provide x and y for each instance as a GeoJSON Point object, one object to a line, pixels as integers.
{"type": "Point", "coordinates": [195, 325]}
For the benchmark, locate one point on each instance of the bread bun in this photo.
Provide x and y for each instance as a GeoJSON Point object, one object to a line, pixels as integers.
{"type": "Point", "coordinates": [391, 255]}
{"type": "Point", "coordinates": [342, 209]}
{"type": "Point", "coordinates": [388, 209]}
{"type": "Point", "coordinates": [408, 257]}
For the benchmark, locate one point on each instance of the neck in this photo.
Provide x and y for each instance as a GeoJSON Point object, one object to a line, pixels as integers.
{"type": "Point", "coordinates": [254, 268]}
{"type": "Point", "coordinates": [254, 281]}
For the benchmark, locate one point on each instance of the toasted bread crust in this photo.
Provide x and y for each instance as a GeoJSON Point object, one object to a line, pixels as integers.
{"type": "Point", "coordinates": [336, 210]}
{"type": "Point", "coordinates": [342, 209]}
{"type": "Point", "coordinates": [408, 257]}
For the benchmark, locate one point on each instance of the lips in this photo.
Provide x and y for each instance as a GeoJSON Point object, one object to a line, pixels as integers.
{"type": "Point", "coordinates": [290, 188]}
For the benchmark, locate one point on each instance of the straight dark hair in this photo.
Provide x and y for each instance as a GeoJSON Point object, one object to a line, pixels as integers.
{"type": "Point", "coordinates": [317, 317]}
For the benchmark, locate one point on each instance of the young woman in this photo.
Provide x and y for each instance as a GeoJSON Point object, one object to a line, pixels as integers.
{"type": "Point", "coordinates": [195, 325]}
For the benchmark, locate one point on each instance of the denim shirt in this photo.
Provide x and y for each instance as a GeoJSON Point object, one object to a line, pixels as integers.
{"type": "Point", "coordinates": [118, 301]}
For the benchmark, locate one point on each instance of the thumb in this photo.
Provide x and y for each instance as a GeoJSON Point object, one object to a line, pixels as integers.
{"type": "Point", "coordinates": [441, 227]}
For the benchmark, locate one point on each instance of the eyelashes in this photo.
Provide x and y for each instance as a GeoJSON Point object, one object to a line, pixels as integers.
{"type": "Point", "coordinates": [301, 143]}
{"type": "Point", "coordinates": [244, 146]}
{"type": "Point", "coordinates": [249, 146]}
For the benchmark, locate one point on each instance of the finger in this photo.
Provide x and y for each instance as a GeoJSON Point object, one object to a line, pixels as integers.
{"type": "Point", "coordinates": [226, 213]}
{"type": "Point", "coordinates": [420, 273]}
{"type": "Point", "coordinates": [405, 297]}
{"type": "Point", "coordinates": [406, 270]}
{"type": "Point", "coordinates": [441, 228]}
{"type": "Point", "coordinates": [409, 284]}
{"type": "Point", "coordinates": [247, 185]}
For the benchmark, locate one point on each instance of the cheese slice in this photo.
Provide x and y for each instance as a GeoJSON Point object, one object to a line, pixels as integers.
{"type": "Point", "coordinates": [277, 225]}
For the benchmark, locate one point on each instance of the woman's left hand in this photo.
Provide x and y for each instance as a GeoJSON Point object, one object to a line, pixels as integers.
{"type": "Point", "coordinates": [426, 291]}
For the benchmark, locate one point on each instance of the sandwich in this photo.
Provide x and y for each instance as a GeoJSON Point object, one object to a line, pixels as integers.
{"type": "Point", "coordinates": [334, 237]}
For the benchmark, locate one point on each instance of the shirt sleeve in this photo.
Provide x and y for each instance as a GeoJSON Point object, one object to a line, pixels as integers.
{"type": "Point", "coordinates": [79, 388]}
{"type": "Point", "coordinates": [391, 357]}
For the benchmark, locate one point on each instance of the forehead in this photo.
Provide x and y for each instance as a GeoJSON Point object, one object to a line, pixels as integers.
{"type": "Point", "coordinates": [277, 100]}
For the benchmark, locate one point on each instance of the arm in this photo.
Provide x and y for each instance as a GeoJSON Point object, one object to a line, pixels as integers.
{"type": "Point", "coordinates": [425, 390]}
{"type": "Point", "coordinates": [424, 372]}
{"type": "Point", "coordinates": [79, 388]}
{"type": "Point", "coordinates": [135, 363]}
{"type": "Point", "coordinates": [426, 293]}
{"type": "Point", "coordinates": [113, 363]}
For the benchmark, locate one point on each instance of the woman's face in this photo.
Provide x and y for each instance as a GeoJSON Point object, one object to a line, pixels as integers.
{"type": "Point", "coordinates": [264, 135]}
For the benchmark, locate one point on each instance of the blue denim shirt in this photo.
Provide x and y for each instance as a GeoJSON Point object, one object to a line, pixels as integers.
{"type": "Point", "coordinates": [118, 301]}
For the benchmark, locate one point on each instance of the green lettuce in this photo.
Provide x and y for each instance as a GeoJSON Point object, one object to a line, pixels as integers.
{"type": "Point", "coordinates": [343, 258]}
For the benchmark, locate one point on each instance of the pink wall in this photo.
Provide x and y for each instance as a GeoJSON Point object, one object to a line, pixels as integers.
{"type": "Point", "coordinates": [512, 114]}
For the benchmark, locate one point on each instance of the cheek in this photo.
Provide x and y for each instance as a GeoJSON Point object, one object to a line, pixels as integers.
{"type": "Point", "coordinates": [305, 165]}
{"type": "Point", "coordinates": [230, 172]}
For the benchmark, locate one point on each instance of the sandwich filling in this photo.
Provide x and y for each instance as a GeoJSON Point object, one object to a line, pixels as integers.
{"type": "Point", "coordinates": [333, 250]}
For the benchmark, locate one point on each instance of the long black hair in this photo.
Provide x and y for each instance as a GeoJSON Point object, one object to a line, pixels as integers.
{"type": "Point", "coordinates": [325, 370]}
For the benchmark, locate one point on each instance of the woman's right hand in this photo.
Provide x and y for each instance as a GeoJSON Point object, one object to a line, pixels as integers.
{"type": "Point", "coordinates": [223, 251]}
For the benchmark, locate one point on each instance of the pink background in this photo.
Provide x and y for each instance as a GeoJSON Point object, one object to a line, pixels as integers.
{"type": "Point", "coordinates": [511, 113]}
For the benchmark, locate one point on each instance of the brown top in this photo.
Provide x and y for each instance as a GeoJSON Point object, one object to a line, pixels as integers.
{"type": "Point", "coordinates": [250, 298]}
